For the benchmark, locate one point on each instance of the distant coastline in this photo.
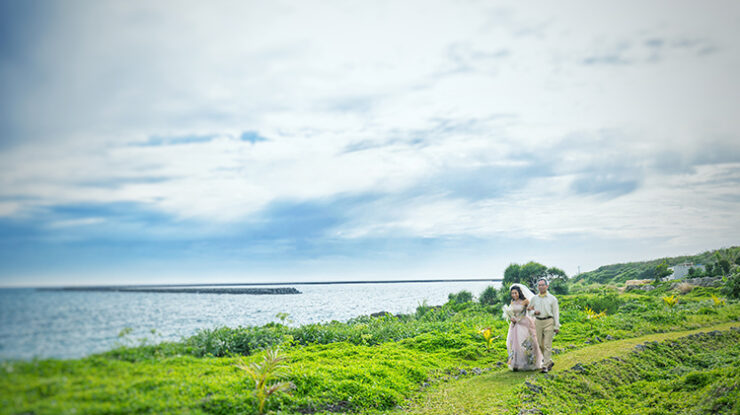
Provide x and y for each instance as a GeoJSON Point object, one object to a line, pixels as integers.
{"type": "Point", "coordinates": [182, 290]}
{"type": "Point", "coordinates": [218, 287]}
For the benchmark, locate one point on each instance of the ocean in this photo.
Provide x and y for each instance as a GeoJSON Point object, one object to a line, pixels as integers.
{"type": "Point", "coordinates": [73, 324]}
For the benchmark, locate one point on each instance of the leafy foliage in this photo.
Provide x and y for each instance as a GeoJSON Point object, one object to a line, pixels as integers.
{"type": "Point", "coordinates": [591, 314]}
{"type": "Point", "coordinates": [670, 300]}
{"type": "Point", "coordinates": [732, 286]}
{"type": "Point", "coordinates": [489, 296]}
{"type": "Point", "coordinates": [487, 336]}
{"type": "Point", "coordinates": [718, 301]}
{"type": "Point", "coordinates": [461, 297]}
{"type": "Point", "coordinates": [619, 273]}
{"type": "Point", "coordinates": [695, 374]}
{"type": "Point", "coordinates": [364, 364]}
{"type": "Point", "coordinates": [661, 271]}
{"type": "Point", "coordinates": [529, 273]}
{"type": "Point", "coordinates": [266, 376]}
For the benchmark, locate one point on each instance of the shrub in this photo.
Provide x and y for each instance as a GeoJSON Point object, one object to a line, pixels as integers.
{"type": "Point", "coordinates": [461, 297]}
{"type": "Point", "coordinates": [489, 296]}
{"type": "Point", "coordinates": [732, 286]}
{"type": "Point", "coordinates": [718, 301]}
{"type": "Point", "coordinates": [670, 301]}
{"type": "Point", "coordinates": [559, 287]}
{"type": "Point", "coordinates": [266, 376]}
{"type": "Point", "coordinates": [685, 287]}
{"type": "Point", "coordinates": [608, 302]}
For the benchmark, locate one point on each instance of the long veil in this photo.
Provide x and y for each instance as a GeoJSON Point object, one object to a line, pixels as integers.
{"type": "Point", "coordinates": [527, 294]}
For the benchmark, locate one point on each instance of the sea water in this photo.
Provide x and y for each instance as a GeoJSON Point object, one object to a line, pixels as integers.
{"type": "Point", "coordinates": [72, 324]}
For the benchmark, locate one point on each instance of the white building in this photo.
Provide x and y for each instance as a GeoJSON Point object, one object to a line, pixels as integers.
{"type": "Point", "coordinates": [682, 270]}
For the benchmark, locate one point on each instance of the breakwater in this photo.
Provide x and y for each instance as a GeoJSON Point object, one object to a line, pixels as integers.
{"type": "Point", "coordinates": [188, 290]}
{"type": "Point", "coordinates": [71, 324]}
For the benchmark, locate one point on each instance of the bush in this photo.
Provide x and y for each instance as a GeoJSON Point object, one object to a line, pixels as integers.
{"type": "Point", "coordinates": [732, 286]}
{"type": "Point", "coordinates": [461, 297]}
{"type": "Point", "coordinates": [559, 287]}
{"type": "Point", "coordinates": [489, 296]}
{"type": "Point", "coordinates": [685, 288]}
{"type": "Point", "coordinates": [609, 302]}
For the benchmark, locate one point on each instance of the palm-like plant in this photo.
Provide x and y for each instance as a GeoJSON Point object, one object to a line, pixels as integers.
{"type": "Point", "coordinates": [488, 337]}
{"type": "Point", "coordinates": [670, 301]}
{"type": "Point", "coordinates": [591, 314]}
{"type": "Point", "coordinates": [718, 301]}
{"type": "Point", "coordinates": [266, 376]}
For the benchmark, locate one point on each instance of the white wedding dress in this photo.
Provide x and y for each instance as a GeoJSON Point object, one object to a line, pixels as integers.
{"type": "Point", "coordinates": [521, 340]}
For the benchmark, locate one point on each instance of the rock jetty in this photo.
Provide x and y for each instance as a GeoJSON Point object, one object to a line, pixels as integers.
{"type": "Point", "coordinates": [188, 290]}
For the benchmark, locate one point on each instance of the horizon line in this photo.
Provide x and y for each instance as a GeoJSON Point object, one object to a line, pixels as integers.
{"type": "Point", "coordinates": [223, 284]}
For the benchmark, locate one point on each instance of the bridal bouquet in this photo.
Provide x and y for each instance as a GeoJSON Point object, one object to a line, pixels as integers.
{"type": "Point", "coordinates": [508, 313]}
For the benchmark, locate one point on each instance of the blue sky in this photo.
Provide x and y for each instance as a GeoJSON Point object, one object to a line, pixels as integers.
{"type": "Point", "coordinates": [283, 141]}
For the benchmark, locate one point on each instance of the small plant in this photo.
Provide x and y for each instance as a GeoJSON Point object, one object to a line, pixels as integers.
{"type": "Point", "coordinates": [685, 288]}
{"type": "Point", "coordinates": [718, 301]}
{"type": "Point", "coordinates": [670, 301]}
{"type": "Point", "coordinates": [591, 314]}
{"type": "Point", "coordinates": [266, 376]}
{"type": "Point", "coordinates": [488, 337]}
{"type": "Point", "coordinates": [284, 318]}
{"type": "Point", "coordinates": [125, 332]}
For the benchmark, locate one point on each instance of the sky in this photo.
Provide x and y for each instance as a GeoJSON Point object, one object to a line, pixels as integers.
{"type": "Point", "coordinates": [267, 141]}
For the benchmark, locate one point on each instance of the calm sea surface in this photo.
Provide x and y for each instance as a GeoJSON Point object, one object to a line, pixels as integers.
{"type": "Point", "coordinates": [69, 324]}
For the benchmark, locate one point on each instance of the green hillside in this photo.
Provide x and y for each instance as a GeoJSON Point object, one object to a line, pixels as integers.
{"type": "Point", "coordinates": [619, 273]}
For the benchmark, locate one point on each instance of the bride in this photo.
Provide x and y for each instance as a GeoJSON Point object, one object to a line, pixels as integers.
{"type": "Point", "coordinates": [521, 341]}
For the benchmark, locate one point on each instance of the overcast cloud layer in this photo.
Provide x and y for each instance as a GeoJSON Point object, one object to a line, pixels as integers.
{"type": "Point", "coordinates": [236, 141]}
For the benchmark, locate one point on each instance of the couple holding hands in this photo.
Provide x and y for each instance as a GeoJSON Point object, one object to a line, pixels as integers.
{"type": "Point", "coordinates": [534, 321]}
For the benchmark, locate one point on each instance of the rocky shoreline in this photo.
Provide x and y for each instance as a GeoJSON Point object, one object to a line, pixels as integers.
{"type": "Point", "coordinates": [179, 290]}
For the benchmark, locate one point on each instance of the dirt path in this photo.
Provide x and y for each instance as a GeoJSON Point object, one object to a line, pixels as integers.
{"type": "Point", "coordinates": [487, 394]}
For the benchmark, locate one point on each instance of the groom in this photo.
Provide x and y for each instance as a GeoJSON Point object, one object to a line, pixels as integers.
{"type": "Point", "coordinates": [547, 323]}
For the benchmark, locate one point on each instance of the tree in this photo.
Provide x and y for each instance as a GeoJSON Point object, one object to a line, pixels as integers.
{"type": "Point", "coordinates": [511, 274]}
{"type": "Point", "coordinates": [662, 271]}
{"type": "Point", "coordinates": [489, 296]}
{"type": "Point", "coordinates": [727, 261]}
{"type": "Point", "coordinates": [724, 265]}
{"type": "Point", "coordinates": [559, 287]}
{"type": "Point", "coordinates": [531, 272]}
{"type": "Point", "coordinates": [732, 286]}
{"type": "Point", "coordinates": [554, 273]}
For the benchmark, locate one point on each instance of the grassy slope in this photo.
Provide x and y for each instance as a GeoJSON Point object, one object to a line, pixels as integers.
{"type": "Point", "coordinates": [340, 375]}
{"type": "Point", "coordinates": [488, 394]}
{"type": "Point", "coordinates": [619, 273]}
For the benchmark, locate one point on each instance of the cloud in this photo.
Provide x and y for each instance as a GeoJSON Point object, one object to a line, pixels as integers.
{"type": "Point", "coordinates": [606, 184]}
{"type": "Point", "coordinates": [319, 130]}
{"type": "Point", "coordinates": [172, 141]}
{"type": "Point", "coordinates": [252, 137]}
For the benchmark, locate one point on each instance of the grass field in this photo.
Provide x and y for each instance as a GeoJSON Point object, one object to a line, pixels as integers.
{"type": "Point", "coordinates": [433, 361]}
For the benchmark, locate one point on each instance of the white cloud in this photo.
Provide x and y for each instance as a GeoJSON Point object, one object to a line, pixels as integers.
{"type": "Point", "coordinates": [317, 78]}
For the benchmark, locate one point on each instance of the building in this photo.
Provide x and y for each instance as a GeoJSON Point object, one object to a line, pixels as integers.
{"type": "Point", "coordinates": [682, 270]}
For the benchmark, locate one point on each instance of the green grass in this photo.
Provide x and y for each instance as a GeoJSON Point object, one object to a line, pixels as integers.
{"type": "Point", "coordinates": [619, 273]}
{"type": "Point", "coordinates": [496, 392]}
{"type": "Point", "coordinates": [367, 365]}
{"type": "Point", "coordinates": [697, 374]}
